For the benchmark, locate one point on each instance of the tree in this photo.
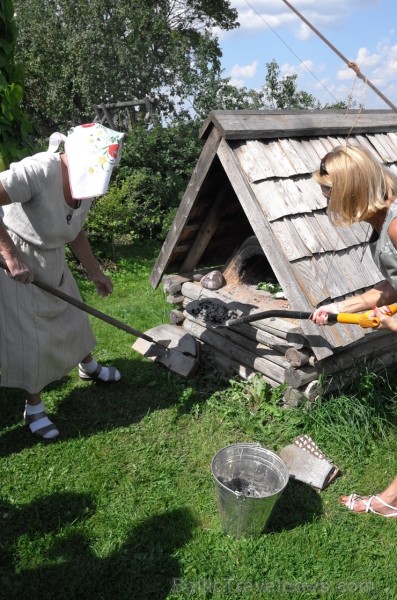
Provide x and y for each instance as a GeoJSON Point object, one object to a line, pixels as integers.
{"type": "Point", "coordinates": [147, 186]}
{"type": "Point", "coordinates": [81, 53]}
{"type": "Point", "coordinates": [14, 127]}
{"type": "Point", "coordinates": [282, 92]}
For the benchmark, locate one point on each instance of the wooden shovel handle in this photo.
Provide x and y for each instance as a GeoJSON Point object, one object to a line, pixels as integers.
{"type": "Point", "coordinates": [87, 308]}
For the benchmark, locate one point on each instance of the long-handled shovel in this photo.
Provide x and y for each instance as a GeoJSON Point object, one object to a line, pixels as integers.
{"type": "Point", "coordinates": [362, 319]}
{"type": "Point", "coordinates": [179, 355]}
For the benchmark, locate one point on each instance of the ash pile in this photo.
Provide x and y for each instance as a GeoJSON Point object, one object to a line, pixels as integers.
{"type": "Point", "coordinates": [212, 312]}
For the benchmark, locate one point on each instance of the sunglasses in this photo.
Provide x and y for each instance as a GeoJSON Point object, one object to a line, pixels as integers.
{"type": "Point", "coordinates": [323, 169]}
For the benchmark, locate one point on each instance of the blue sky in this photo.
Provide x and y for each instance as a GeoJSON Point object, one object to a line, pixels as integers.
{"type": "Point", "coordinates": [364, 31]}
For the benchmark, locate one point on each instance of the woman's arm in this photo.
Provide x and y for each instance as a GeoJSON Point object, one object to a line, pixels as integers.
{"type": "Point", "coordinates": [82, 250]}
{"type": "Point", "coordinates": [16, 264]}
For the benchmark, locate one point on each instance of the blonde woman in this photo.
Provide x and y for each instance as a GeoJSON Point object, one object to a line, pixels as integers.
{"type": "Point", "coordinates": [359, 188]}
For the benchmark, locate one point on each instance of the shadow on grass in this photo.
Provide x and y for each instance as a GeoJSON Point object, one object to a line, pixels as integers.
{"type": "Point", "coordinates": [298, 504]}
{"type": "Point", "coordinates": [85, 408]}
{"type": "Point", "coordinates": [143, 567]}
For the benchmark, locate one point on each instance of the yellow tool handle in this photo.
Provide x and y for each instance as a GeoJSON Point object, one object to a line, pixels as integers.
{"type": "Point", "coordinates": [363, 319]}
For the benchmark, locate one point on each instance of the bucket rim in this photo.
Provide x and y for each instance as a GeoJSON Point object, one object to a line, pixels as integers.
{"type": "Point", "coordinates": [257, 446]}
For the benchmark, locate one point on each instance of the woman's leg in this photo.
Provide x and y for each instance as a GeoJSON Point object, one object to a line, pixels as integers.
{"type": "Point", "coordinates": [90, 369]}
{"type": "Point", "coordinates": [384, 503]}
{"type": "Point", "coordinates": [37, 420]}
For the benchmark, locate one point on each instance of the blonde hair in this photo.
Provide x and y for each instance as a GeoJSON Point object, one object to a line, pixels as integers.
{"type": "Point", "coordinates": [360, 184]}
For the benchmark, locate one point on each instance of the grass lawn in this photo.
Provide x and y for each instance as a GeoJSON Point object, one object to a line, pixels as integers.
{"type": "Point", "coordinates": [124, 506]}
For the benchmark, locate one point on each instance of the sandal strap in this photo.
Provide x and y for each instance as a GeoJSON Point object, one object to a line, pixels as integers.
{"type": "Point", "coordinates": [47, 426]}
{"type": "Point", "coordinates": [35, 417]}
{"type": "Point", "coordinates": [376, 497]}
{"type": "Point", "coordinates": [96, 374]}
{"type": "Point", "coordinates": [367, 501]}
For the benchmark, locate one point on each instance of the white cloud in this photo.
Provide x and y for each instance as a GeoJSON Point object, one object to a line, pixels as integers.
{"type": "Point", "coordinates": [259, 14]}
{"type": "Point", "coordinates": [245, 71]}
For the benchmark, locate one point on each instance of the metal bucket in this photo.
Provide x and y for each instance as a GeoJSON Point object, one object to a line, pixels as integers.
{"type": "Point", "coordinates": [249, 480]}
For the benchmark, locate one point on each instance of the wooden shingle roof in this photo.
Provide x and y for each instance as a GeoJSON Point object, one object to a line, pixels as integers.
{"type": "Point", "coordinates": [255, 175]}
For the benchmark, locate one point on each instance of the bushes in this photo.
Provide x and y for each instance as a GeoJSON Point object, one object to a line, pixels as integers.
{"type": "Point", "coordinates": [14, 127]}
{"type": "Point", "coordinates": [148, 186]}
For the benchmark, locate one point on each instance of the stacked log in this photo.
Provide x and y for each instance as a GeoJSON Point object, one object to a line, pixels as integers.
{"type": "Point", "coordinates": [278, 349]}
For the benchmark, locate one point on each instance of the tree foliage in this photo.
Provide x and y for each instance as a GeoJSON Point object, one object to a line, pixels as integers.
{"type": "Point", "coordinates": [85, 52]}
{"type": "Point", "coordinates": [282, 92]}
{"type": "Point", "coordinates": [14, 127]}
{"type": "Point", "coordinates": [148, 185]}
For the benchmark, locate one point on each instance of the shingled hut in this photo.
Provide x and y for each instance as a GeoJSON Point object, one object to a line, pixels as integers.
{"type": "Point", "coordinates": [253, 211]}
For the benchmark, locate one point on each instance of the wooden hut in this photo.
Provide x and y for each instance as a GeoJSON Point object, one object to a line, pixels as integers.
{"type": "Point", "coordinates": [253, 211]}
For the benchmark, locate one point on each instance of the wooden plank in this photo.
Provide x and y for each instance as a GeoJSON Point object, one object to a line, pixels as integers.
{"type": "Point", "coordinates": [361, 231]}
{"type": "Point", "coordinates": [228, 365]}
{"type": "Point", "coordinates": [310, 192]}
{"type": "Point", "coordinates": [373, 347]}
{"type": "Point", "coordinates": [271, 200]}
{"type": "Point", "coordinates": [297, 378]}
{"type": "Point", "coordinates": [290, 244]}
{"type": "Point", "coordinates": [233, 336]}
{"type": "Point", "coordinates": [364, 141]}
{"type": "Point", "coordinates": [253, 161]}
{"type": "Point", "coordinates": [363, 266]}
{"type": "Point", "coordinates": [334, 336]}
{"type": "Point", "coordinates": [296, 202]}
{"type": "Point", "coordinates": [311, 279]}
{"type": "Point", "coordinates": [246, 124]}
{"type": "Point", "coordinates": [312, 152]}
{"type": "Point", "coordinates": [303, 148]}
{"type": "Point", "coordinates": [322, 147]}
{"type": "Point", "coordinates": [379, 141]}
{"type": "Point", "coordinates": [180, 356]}
{"type": "Point", "coordinates": [275, 155]}
{"type": "Point", "coordinates": [200, 172]}
{"type": "Point", "coordinates": [303, 226]}
{"type": "Point", "coordinates": [392, 137]}
{"type": "Point", "coordinates": [331, 282]}
{"type": "Point", "coordinates": [235, 352]}
{"type": "Point", "coordinates": [295, 154]}
{"type": "Point", "coordinates": [331, 238]}
{"type": "Point", "coordinates": [206, 231]}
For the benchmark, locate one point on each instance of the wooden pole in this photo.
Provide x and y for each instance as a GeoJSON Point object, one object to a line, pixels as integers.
{"type": "Point", "coordinates": [350, 64]}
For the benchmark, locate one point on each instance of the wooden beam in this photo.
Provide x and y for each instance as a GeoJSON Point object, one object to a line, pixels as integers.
{"type": "Point", "coordinates": [206, 231]}
{"type": "Point", "coordinates": [249, 125]}
{"type": "Point", "coordinates": [199, 174]}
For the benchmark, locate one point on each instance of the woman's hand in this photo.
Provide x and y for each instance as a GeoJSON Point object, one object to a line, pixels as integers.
{"type": "Point", "coordinates": [103, 284]}
{"type": "Point", "coordinates": [320, 315]}
{"type": "Point", "coordinates": [17, 267]}
{"type": "Point", "coordinates": [386, 320]}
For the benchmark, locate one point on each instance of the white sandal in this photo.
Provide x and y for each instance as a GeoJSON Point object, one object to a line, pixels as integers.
{"type": "Point", "coordinates": [353, 498]}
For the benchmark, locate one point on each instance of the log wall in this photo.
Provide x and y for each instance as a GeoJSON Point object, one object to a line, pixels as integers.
{"type": "Point", "coordinates": [277, 348]}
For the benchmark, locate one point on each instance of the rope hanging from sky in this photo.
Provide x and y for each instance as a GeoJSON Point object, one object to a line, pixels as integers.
{"type": "Point", "coordinates": [350, 64]}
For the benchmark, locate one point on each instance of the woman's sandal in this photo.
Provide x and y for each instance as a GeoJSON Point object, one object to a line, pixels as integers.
{"type": "Point", "coordinates": [367, 501]}
{"type": "Point", "coordinates": [40, 425]}
{"type": "Point", "coordinates": [113, 375]}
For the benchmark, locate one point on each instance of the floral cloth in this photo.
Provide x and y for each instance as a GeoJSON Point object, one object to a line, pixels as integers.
{"type": "Point", "coordinates": [92, 151]}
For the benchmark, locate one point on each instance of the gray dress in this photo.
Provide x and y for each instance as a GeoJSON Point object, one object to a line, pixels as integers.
{"type": "Point", "coordinates": [384, 252]}
{"type": "Point", "coordinates": [41, 336]}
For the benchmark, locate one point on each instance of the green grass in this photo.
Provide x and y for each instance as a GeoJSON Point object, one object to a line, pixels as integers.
{"type": "Point", "coordinates": [124, 506]}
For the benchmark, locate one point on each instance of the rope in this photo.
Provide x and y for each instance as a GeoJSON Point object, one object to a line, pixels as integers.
{"type": "Point", "coordinates": [292, 51]}
{"type": "Point", "coordinates": [349, 63]}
